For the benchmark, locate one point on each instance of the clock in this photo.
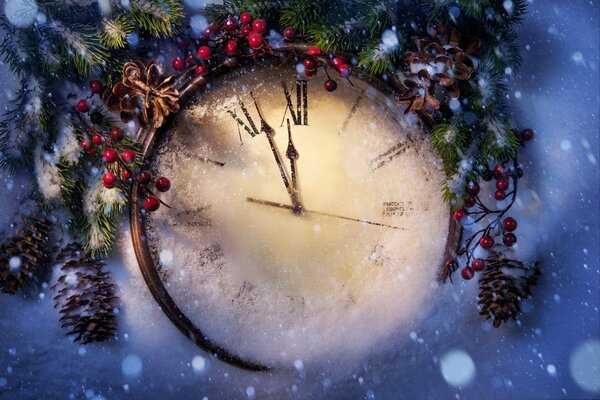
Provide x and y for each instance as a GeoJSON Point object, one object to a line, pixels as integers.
{"type": "Point", "coordinates": [301, 222]}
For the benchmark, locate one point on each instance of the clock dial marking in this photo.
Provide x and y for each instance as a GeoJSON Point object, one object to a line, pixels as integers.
{"type": "Point", "coordinates": [300, 116]}
{"type": "Point", "coordinates": [389, 155]}
{"type": "Point", "coordinates": [352, 112]}
{"type": "Point", "coordinates": [199, 220]}
{"type": "Point", "coordinates": [325, 214]}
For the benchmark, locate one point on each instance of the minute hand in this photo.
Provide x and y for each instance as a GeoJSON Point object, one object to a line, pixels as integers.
{"type": "Point", "coordinates": [269, 133]}
{"type": "Point", "coordinates": [325, 214]}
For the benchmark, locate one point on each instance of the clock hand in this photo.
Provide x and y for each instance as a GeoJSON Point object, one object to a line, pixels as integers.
{"type": "Point", "coordinates": [325, 214]}
{"type": "Point", "coordinates": [292, 155]}
{"type": "Point", "coordinates": [269, 133]}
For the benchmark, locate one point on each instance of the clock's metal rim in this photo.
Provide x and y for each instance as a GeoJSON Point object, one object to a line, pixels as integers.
{"type": "Point", "coordinates": [188, 85]}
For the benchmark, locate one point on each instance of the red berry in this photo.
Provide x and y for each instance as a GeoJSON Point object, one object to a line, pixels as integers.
{"type": "Point", "coordinates": [190, 58]}
{"type": "Point", "coordinates": [255, 40]}
{"type": "Point", "coordinates": [460, 214]}
{"type": "Point", "coordinates": [128, 156]}
{"type": "Point", "coordinates": [116, 134]}
{"type": "Point", "coordinates": [509, 224]}
{"type": "Point", "coordinates": [498, 171]}
{"type": "Point", "coordinates": [452, 265]}
{"type": "Point", "coordinates": [125, 174]}
{"type": "Point", "coordinates": [310, 72]}
{"type": "Point", "coordinates": [163, 184]}
{"type": "Point", "coordinates": [230, 24]}
{"type": "Point", "coordinates": [246, 31]}
{"type": "Point", "coordinates": [289, 33]}
{"type": "Point", "coordinates": [82, 106]}
{"type": "Point", "coordinates": [344, 71]}
{"type": "Point", "coordinates": [178, 64]}
{"type": "Point", "coordinates": [502, 184]}
{"type": "Point", "coordinates": [527, 134]}
{"type": "Point", "coordinates": [96, 117]}
{"type": "Point", "coordinates": [110, 156]}
{"type": "Point", "coordinates": [231, 47]}
{"type": "Point", "coordinates": [469, 201]}
{"type": "Point", "coordinates": [204, 52]}
{"type": "Point", "coordinates": [259, 26]}
{"type": "Point", "coordinates": [509, 239]}
{"type": "Point", "coordinates": [246, 18]}
{"type": "Point", "coordinates": [144, 177]}
{"type": "Point", "coordinates": [201, 69]}
{"type": "Point", "coordinates": [151, 203]}
{"type": "Point", "coordinates": [313, 51]}
{"type": "Point", "coordinates": [310, 64]}
{"type": "Point", "coordinates": [330, 85]}
{"type": "Point", "coordinates": [97, 139]}
{"type": "Point", "coordinates": [95, 86]}
{"type": "Point", "coordinates": [110, 180]}
{"type": "Point", "coordinates": [486, 242]}
{"type": "Point", "coordinates": [467, 273]}
{"type": "Point", "coordinates": [500, 195]}
{"type": "Point", "coordinates": [478, 264]}
{"type": "Point", "coordinates": [86, 145]}
{"type": "Point", "coordinates": [338, 61]}
{"type": "Point", "coordinates": [472, 188]}
{"type": "Point", "coordinates": [209, 31]}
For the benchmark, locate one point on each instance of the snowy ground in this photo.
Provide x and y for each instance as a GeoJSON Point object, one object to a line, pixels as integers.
{"type": "Point", "coordinates": [553, 353]}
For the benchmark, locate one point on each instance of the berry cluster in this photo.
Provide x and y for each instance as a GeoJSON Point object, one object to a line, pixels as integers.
{"type": "Point", "coordinates": [83, 105]}
{"type": "Point", "coordinates": [473, 211]}
{"type": "Point", "coordinates": [244, 37]}
{"type": "Point", "coordinates": [121, 161]}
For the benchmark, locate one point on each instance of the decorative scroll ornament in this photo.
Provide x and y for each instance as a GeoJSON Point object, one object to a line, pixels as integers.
{"type": "Point", "coordinates": [143, 93]}
{"type": "Point", "coordinates": [436, 67]}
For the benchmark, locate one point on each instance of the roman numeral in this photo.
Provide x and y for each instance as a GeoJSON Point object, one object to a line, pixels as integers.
{"type": "Point", "coordinates": [249, 126]}
{"type": "Point", "coordinates": [300, 114]}
{"type": "Point", "coordinates": [193, 217]}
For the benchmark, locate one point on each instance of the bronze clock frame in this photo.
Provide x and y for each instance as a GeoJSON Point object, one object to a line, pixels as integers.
{"type": "Point", "coordinates": [187, 84]}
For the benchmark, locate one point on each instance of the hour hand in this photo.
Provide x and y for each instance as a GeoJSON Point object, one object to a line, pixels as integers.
{"type": "Point", "coordinates": [264, 126]}
{"type": "Point", "coordinates": [292, 155]}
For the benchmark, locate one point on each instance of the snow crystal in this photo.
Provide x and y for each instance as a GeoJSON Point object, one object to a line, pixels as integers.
{"type": "Point", "coordinates": [565, 144]}
{"type": "Point", "coordinates": [199, 364]}
{"type": "Point", "coordinates": [299, 365]}
{"type": "Point", "coordinates": [585, 365]}
{"type": "Point", "coordinates": [47, 175]}
{"type": "Point", "coordinates": [166, 258]}
{"type": "Point", "coordinates": [131, 366]}
{"type": "Point", "coordinates": [457, 368]}
{"type": "Point", "coordinates": [551, 369]}
{"type": "Point", "coordinates": [3, 382]}
{"type": "Point", "coordinates": [508, 6]}
{"type": "Point", "coordinates": [20, 13]}
{"type": "Point", "coordinates": [14, 263]}
{"type": "Point", "coordinates": [250, 392]}
{"type": "Point", "coordinates": [389, 41]}
{"type": "Point", "coordinates": [578, 57]}
{"type": "Point", "coordinates": [67, 145]}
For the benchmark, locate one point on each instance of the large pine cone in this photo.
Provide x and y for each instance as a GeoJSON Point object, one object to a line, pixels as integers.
{"type": "Point", "coordinates": [441, 60]}
{"type": "Point", "coordinates": [501, 293]}
{"type": "Point", "coordinates": [24, 256]}
{"type": "Point", "coordinates": [85, 296]}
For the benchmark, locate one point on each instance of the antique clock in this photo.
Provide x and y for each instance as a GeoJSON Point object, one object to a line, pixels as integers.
{"type": "Point", "coordinates": [303, 222]}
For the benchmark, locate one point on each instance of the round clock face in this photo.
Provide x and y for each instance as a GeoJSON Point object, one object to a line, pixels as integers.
{"type": "Point", "coordinates": [303, 223]}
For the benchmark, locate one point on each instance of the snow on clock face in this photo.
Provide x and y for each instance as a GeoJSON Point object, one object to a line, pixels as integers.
{"type": "Point", "coordinates": [303, 222]}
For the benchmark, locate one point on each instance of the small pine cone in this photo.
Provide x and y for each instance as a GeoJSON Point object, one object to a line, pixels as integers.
{"type": "Point", "coordinates": [501, 293]}
{"type": "Point", "coordinates": [85, 296]}
{"type": "Point", "coordinates": [24, 256]}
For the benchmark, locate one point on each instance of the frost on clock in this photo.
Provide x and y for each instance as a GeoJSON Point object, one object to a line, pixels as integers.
{"type": "Point", "coordinates": [284, 289]}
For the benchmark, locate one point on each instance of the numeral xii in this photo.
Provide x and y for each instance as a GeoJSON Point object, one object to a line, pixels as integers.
{"type": "Point", "coordinates": [300, 114]}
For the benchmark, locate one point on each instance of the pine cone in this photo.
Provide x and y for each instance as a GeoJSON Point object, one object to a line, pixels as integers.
{"type": "Point", "coordinates": [501, 293]}
{"type": "Point", "coordinates": [435, 69]}
{"type": "Point", "coordinates": [85, 296]}
{"type": "Point", "coordinates": [144, 93]}
{"type": "Point", "coordinates": [23, 256]}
